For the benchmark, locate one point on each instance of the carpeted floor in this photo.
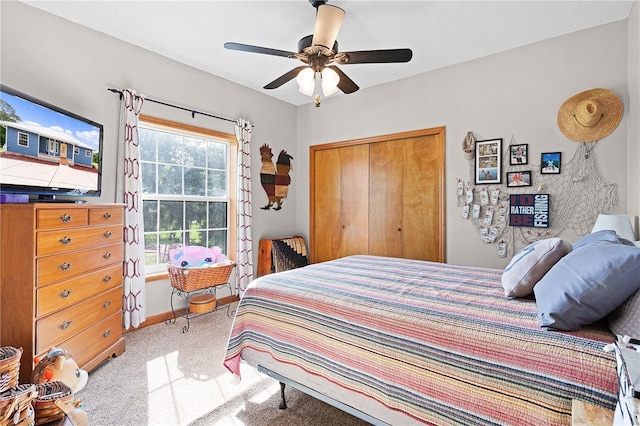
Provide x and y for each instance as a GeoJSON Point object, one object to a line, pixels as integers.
{"type": "Point", "coordinates": [167, 377]}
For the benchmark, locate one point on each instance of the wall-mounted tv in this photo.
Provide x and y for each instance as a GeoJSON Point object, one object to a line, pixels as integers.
{"type": "Point", "coordinates": [45, 151]}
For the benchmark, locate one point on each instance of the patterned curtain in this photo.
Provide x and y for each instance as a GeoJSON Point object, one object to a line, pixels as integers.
{"type": "Point", "coordinates": [129, 192]}
{"type": "Point", "coordinates": [244, 250]}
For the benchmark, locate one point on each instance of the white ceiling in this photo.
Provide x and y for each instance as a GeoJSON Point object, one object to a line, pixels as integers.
{"type": "Point", "coordinates": [440, 33]}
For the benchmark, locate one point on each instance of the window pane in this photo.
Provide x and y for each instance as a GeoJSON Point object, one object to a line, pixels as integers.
{"type": "Point", "coordinates": [169, 180]}
{"type": "Point", "coordinates": [149, 178]}
{"type": "Point", "coordinates": [194, 181]}
{"type": "Point", "coordinates": [169, 148]}
{"type": "Point", "coordinates": [147, 140]}
{"type": "Point", "coordinates": [196, 214]}
{"type": "Point", "coordinates": [150, 248]}
{"type": "Point", "coordinates": [168, 242]}
{"type": "Point", "coordinates": [150, 215]}
{"type": "Point", "coordinates": [217, 183]}
{"type": "Point", "coordinates": [217, 154]}
{"type": "Point", "coordinates": [171, 218]}
{"type": "Point", "coordinates": [218, 215]}
{"type": "Point", "coordinates": [219, 238]}
{"type": "Point", "coordinates": [195, 152]}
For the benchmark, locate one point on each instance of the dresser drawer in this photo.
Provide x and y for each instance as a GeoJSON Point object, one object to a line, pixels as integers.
{"type": "Point", "coordinates": [105, 216]}
{"type": "Point", "coordinates": [70, 292]}
{"type": "Point", "coordinates": [61, 218]}
{"type": "Point", "coordinates": [68, 265]}
{"type": "Point", "coordinates": [60, 326]}
{"type": "Point", "coordinates": [65, 240]}
{"type": "Point", "coordinates": [93, 340]}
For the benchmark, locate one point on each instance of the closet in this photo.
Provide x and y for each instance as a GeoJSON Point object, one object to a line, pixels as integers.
{"type": "Point", "coordinates": [382, 196]}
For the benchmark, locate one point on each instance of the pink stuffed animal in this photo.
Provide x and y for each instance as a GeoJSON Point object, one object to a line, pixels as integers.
{"type": "Point", "coordinates": [196, 256]}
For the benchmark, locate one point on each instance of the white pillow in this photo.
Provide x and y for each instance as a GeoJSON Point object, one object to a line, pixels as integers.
{"type": "Point", "coordinates": [530, 264]}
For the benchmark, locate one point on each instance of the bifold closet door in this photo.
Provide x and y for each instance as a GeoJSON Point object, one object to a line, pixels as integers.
{"type": "Point", "coordinates": [340, 202]}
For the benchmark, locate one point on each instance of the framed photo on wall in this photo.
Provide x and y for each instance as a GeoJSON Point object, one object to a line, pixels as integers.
{"type": "Point", "coordinates": [488, 161]}
{"type": "Point", "coordinates": [518, 154]}
{"type": "Point", "coordinates": [519, 178]}
{"type": "Point", "coordinates": [550, 163]}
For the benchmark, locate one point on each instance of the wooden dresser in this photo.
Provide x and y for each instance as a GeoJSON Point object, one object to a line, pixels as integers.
{"type": "Point", "coordinates": [61, 281]}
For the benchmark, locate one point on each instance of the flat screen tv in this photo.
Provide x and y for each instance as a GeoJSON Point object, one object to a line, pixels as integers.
{"type": "Point", "coordinates": [45, 151]}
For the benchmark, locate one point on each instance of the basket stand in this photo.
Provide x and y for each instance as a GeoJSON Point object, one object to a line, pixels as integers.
{"type": "Point", "coordinates": [191, 282]}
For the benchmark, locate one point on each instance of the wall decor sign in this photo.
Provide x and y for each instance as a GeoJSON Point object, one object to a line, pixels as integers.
{"type": "Point", "coordinates": [529, 210]}
{"type": "Point", "coordinates": [488, 161]}
{"type": "Point", "coordinates": [522, 178]}
{"type": "Point", "coordinates": [518, 154]}
{"type": "Point", "coordinates": [550, 163]}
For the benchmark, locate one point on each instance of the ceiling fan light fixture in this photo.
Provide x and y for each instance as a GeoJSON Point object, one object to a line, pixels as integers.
{"type": "Point", "coordinates": [306, 81]}
{"type": "Point", "coordinates": [328, 21]}
{"type": "Point", "coordinates": [330, 80]}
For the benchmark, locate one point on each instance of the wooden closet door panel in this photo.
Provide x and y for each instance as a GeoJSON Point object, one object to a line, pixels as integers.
{"type": "Point", "coordinates": [422, 213]}
{"type": "Point", "coordinates": [386, 160]}
{"type": "Point", "coordinates": [341, 199]}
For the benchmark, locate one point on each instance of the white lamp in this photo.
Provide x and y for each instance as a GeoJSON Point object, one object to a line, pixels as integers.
{"type": "Point", "coordinates": [330, 80]}
{"type": "Point", "coordinates": [306, 81]}
{"type": "Point", "coordinates": [620, 223]}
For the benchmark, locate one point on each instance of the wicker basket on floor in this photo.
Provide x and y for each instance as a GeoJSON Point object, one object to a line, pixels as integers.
{"type": "Point", "coordinates": [9, 367]}
{"type": "Point", "coordinates": [15, 405]}
{"type": "Point", "coordinates": [45, 403]}
{"type": "Point", "coordinates": [197, 278]}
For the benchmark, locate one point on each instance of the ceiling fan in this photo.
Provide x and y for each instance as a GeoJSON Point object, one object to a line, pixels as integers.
{"type": "Point", "coordinates": [320, 50]}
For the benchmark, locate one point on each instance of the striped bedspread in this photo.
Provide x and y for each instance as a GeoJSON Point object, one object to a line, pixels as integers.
{"type": "Point", "coordinates": [440, 343]}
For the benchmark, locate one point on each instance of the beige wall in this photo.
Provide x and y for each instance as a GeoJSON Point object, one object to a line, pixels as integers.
{"type": "Point", "coordinates": [512, 93]}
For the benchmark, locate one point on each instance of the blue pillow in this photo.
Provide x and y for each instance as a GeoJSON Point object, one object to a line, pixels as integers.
{"type": "Point", "coordinates": [587, 284]}
{"type": "Point", "coordinates": [604, 235]}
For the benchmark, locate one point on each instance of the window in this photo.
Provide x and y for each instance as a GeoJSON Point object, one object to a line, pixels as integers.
{"type": "Point", "coordinates": [23, 139]}
{"type": "Point", "coordinates": [52, 146]}
{"type": "Point", "coordinates": [188, 189]}
{"type": "Point", "coordinates": [76, 150]}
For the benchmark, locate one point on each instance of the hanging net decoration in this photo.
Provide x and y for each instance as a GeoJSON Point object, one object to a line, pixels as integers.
{"type": "Point", "coordinates": [577, 196]}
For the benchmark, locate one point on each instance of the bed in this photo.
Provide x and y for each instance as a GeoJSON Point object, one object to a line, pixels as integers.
{"type": "Point", "coordinates": [397, 341]}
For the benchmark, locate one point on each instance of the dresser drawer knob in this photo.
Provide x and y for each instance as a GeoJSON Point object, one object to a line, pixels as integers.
{"type": "Point", "coordinates": [64, 325]}
{"type": "Point", "coordinates": [65, 218]}
{"type": "Point", "coordinates": [106, 333]}
{"type": "Point", "coordinates": [65, 266]}
{"type": "Point", "coordinates": [107, 216]}
{"type": "Point", "coordinates": [107, 278]}
{"type": "Point", "coordinates": [107, 304]}
{"type": "Point", "coordinates": [107, 255]}
{"type": "Point", "coordinates": [65, 240]}
{"type": "Point", "coordinates": [108, 234]}
{"type": "Point", "coordinates": [66, 293]}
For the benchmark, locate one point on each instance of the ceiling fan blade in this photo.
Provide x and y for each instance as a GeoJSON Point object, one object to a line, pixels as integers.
{"type": "Point", "coordinates": [374, 56]}
{"type": "Point", "coordinates": [346, 84]}
{"type": "Point", "coordinates": [285, 77]}
{"type": "Point", "coordinates": [328, 22]}
{"type": "Point", "coordinates": [258, 49]}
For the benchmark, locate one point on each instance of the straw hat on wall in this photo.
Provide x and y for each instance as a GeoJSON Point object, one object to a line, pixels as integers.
{"type": "Point", "coordinates": [590, 116]}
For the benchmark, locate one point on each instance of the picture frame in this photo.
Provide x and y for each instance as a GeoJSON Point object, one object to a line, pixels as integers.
{"type": "Point", "coordinates": [488, 161]}
{"type": "Point", "coordinates": [550, 163]}
{"type": "Point", "coordinates": [518, 154]}
{"type": "Point", "coordinates": [517, 179]}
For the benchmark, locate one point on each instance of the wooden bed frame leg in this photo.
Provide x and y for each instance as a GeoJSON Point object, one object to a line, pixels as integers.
{"type": "Point", "coordinates": [283, 402]}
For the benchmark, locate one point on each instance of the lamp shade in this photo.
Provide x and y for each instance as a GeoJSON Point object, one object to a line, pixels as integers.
{"type": "Point", "coordinates": [330, 80]}
{"type": "Point", "coordinates": [620, 223]}
{"type": "Point", "coordinates": [306, 81]}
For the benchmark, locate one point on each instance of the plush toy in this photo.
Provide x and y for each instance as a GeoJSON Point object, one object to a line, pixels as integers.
{"type": "Point", "coordinates": [74, 412]}
{"type": "Point", "coordinates": [196, 256]}
{"type": "Point", "coordinates": [58, 365]}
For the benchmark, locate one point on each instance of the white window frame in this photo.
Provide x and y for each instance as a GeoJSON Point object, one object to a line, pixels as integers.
{"type": "Point", "coordinates": [230, 197]}
{"type": "Point", "coordinates": [23, 139]}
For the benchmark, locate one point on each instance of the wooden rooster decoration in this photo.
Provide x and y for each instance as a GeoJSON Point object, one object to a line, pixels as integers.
{"type": "Point", "coordinates": [275, 179]}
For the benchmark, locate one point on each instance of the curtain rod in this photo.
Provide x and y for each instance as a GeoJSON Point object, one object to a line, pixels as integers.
{"type": "Point", "coordinates": [192, 111]}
